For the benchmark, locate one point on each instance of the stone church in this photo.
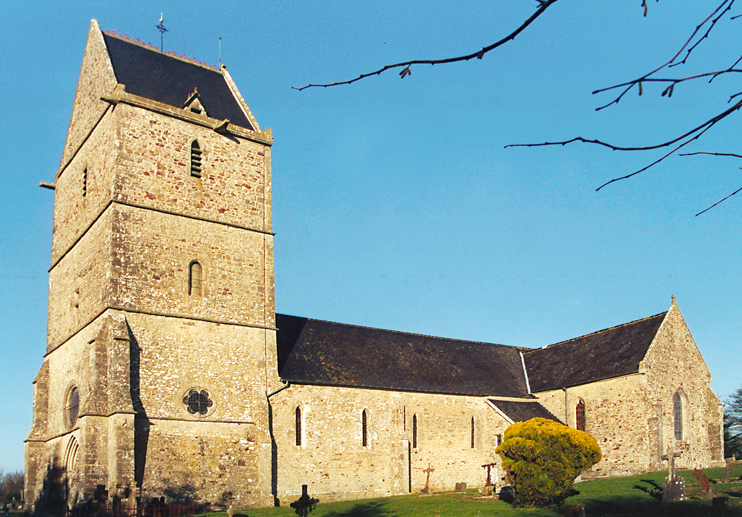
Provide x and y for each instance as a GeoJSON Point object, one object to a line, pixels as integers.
{"type": "Point", "coordinates": [168, 373]}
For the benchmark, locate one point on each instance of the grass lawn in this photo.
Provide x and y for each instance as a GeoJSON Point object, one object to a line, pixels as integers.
{"type": "Point", "coordinates": [611, 497]}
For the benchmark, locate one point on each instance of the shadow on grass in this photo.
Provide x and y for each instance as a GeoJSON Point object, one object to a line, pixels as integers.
{"type": "Point", "coordinates": [370, 509]}
{"type": "Point", "coordinates": [631, 506]}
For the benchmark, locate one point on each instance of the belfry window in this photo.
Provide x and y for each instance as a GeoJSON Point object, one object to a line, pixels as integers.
{"type": "Point", "coordinates": [678, 415]}
{"type": "Point", "coordinates": [195, 159]}
{"type": "Point", "coordinates": [195, 280]}
{"type": "Point", "coordinates": [298, 426]}
{"type": "Point", "coordinates": [414, 431]}
{"type": "Point", "coordinates": [364, 428]}
{"type": "Point", "coordinates": [580, 416]}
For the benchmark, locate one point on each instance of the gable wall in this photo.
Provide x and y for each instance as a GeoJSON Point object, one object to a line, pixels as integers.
{"type": "Point", "coordinates": [332, 461]}
{"type": "Point", "coordinates": [621, 414]}
{"type": "Point", "coordinates": [674, 362]}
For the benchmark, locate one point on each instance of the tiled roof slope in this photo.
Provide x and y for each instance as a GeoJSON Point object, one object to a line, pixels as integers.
{"type": "Point", "coordinates": [602, 355]}
{"type": "Point", "coordinates": [522, 411]}
{"type": "Point", "coordinates": [325, 353]}
{"type": "Point", "coordinates": [170, 80]}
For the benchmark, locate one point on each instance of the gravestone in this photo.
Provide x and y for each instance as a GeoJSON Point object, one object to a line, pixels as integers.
{"type": "Point", "coordinates": [673, 487]}
{"type": "Point", "coordinates": [708, 492]}
{"type": "Point", "coordinates": [461, 487]}
{"type": "Point", "coordinates": [304, 504]}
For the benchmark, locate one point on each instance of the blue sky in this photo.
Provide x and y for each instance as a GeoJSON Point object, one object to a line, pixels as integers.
{"type": "Point", "coordinates": [396, 204]}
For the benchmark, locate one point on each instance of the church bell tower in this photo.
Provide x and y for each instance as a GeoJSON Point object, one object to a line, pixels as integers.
{"type": "Point", "coordinates": [161, 320]}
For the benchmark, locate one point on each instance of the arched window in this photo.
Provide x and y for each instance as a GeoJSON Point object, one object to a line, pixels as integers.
{"type": "Point", "coordinates": [472, 432]}
{"type": "Point", "coordinates": [678, 415]}
{"type": "Point", "coordinates": [414, 431]}
{"type": "Point", "coordinates": [195, 159]}
{"type": "Point", "coordinates": [580, 416]}
{"type": "Point", "coordinates": [195, 279]}
{"type": "Point", "coordinates": [72, 408]}
{"type": "Point", "coordinates": [364, 428]}
{"type": "Point", "coordinates": [298, 426]}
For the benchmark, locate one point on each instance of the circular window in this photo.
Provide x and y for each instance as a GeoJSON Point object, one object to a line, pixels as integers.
{"type": "Point", "coordinates": [72, 408]}
{"type": "Point", "coordinates": [198, 402]}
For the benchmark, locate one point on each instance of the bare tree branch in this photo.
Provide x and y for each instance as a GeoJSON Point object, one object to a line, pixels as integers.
{"type": "Point", "coordinates": [543, 5]}
{"type": "Point", "coordinates": [712, 206]}
{"type": "Point", "coordinates": [712, 154]}
{"type": "Point", "coordinates": [724, 7]}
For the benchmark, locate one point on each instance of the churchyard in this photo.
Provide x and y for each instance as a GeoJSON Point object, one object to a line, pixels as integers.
{"type": "Point", "coordinates": [624, 496]}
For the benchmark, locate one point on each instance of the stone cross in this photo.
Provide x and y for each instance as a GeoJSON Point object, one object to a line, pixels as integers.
{"type": "Point", "coordinates": [427, 479]}
{"type": "Point", "coordinates": [489, 466]}
{"type": "Point", "coordinates": [670, 457]}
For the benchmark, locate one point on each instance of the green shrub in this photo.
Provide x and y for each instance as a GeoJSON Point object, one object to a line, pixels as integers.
{"type": "Point", "coordinates": [542, 459]}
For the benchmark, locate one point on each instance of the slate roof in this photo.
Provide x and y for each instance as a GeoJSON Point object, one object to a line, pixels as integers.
{"type": "Point", "coordinates": [163, 78]}
{"type": "Point", "coordinates": [605, 354]}
{"type": "Point", "coordinates": [335, 354]}
{"type": "Point", "coordinates": [522, 411]}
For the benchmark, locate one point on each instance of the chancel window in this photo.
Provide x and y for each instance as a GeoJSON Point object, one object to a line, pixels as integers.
{"type": "Point", "coordinates": [195, 159]}
{"type": "Point", "coordinates": [198, 402]}
{"type": "Point", "coordinates": [364, 428]}
{"type": "Point", "coordinates": [298, 426]}
{"type": "Point", "coordinates": [195, 279]}
{"type": "Point", "coordinates": [580, 416]}
{"type": "Point", "coordinates": [678, 415]}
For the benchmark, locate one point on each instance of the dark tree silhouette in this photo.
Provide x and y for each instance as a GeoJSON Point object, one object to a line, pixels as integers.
{"type": "Point", "coordinates": [698, 35]}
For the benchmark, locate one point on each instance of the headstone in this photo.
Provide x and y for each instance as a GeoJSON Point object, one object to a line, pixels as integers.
{"type": "Point", "coordinates": [427, 490]}
{"type": "Point", "coordinates": [461, 487]}
{"type": "Point", "coordinates": [708, 492]}
{"type": "Point", "coordinates": [673, 487]}
{"type": "Point", "coordinates": [573, 510]}
{"type": "Point", "coordinates": [489, 467]}
{"type": "Point", "coordinates": [720, 503]}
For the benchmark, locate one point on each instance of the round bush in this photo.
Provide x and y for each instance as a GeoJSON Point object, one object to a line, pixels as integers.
{"type": "Point", "coordinates": [542, 459]}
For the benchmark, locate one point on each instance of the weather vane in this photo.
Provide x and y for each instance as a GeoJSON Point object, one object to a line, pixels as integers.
{"type": "Point", "coordinates": [162, 29]}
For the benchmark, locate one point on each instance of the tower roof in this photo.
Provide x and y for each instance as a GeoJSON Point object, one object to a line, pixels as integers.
{"type": "Point", "coordinates": [171, 80]}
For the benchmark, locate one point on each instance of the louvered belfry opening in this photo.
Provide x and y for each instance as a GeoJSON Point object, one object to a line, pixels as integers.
{"type": "Point", "coordinates": [196, 159]}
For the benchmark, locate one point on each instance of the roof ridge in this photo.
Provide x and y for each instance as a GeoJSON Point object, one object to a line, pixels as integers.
{"type": "Point", "coordinates": [598, 332]}
{"type": "Point", "coordinates": [170, 53]}
{"type": "Point", "coordinates": [403, 332]}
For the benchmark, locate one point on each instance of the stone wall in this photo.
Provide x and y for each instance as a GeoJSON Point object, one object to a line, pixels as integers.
{"type": "Point", "coordinates": [335, 464]}
{"type": "Point", "coordinates": [674, 363]}
{"type": "Point", "coordinates": [620, 414]}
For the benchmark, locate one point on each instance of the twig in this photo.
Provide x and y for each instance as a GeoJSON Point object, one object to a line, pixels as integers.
{"type": "Point", "coordinates": [712, 206]}
{"type": "Point", "coordinates": [543, 5]}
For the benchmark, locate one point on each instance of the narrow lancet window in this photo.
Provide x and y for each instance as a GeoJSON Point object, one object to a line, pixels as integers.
{"type": "Point", "coordinates": [298, 426]}
{"type": "Point", "coordinates": [195, 159]}
{"type": "Point", "coordinates": [414, 431]}
{"type": "Point", "coordinates": [195, 280]}
{"type": "Point", "coordinates": [472, 432]}
{"type": "Point", "coordinates": [85, 182]}
{"type": "Point", "coordinates": [364, 428]}
{"type": "Point", "coordinates": [580, 416]}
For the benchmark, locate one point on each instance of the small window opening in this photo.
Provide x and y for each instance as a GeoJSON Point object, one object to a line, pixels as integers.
{"type": "Point", "coordinates": [198, 402]}
{"type": "Point", "coordinates": [85, 182]}
{"type": "Point", "coordinates": [414, 431]}
{"type": "Point", "coordinates": [195, 280]}
{"type": "Point", "coordinates": [498, 440]}
{"type": "Point", "coordinates": [580, 416]}
{"type": "Point", "coordinates": [195, 159]}
{"type": "Point", "coordinates": [298, 426]}
{"type": "Point", "coordinates": [364, 428]}
{"type": "Point", "coordinates": [472, 432]}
